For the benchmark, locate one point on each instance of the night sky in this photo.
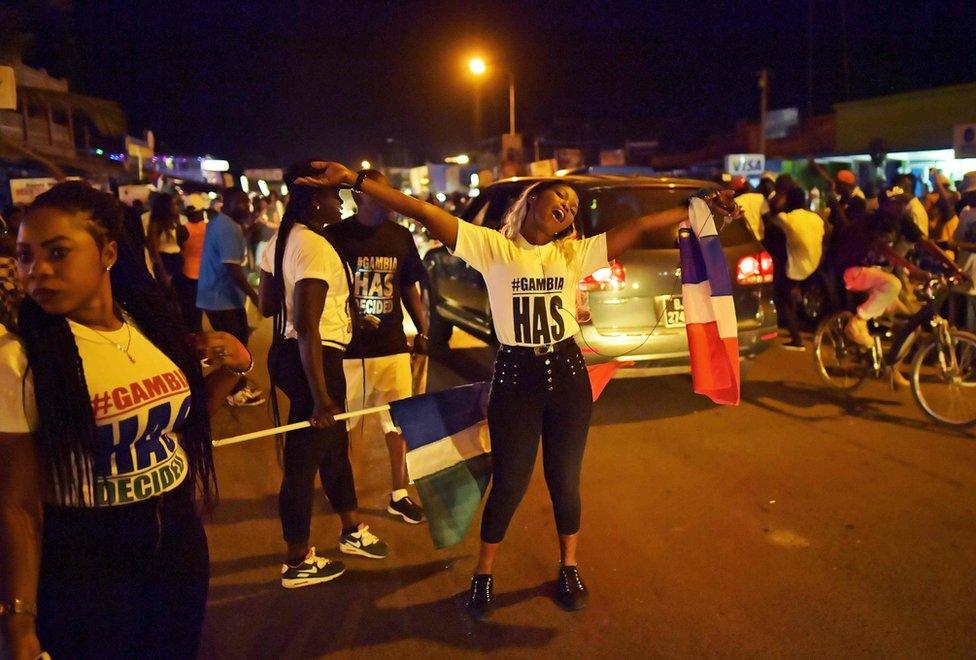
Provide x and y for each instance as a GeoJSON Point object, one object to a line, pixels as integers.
{"type": "Point", "coordinates": [264, 83]}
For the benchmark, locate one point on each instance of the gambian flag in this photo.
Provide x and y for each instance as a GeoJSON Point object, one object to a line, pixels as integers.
{"type": "Point", "coordinates": [448, 455]}
{"type": "Point", "coordinates": [706, 290]}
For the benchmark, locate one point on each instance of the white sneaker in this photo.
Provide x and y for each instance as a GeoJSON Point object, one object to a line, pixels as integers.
{"type": "Point", "coordinates": [364, 543]}
{"type": "Point", "coordinates": [312, 570]}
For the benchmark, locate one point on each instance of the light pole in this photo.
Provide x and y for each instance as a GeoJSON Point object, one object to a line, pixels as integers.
{"type": "Point", "coordinates": [511, 102]}
{"type": "Point", "coordinates": [478, 68]}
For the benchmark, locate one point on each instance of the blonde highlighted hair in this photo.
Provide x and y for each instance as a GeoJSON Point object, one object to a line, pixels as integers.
{"type": "Point", "coordinates": [519, 210]}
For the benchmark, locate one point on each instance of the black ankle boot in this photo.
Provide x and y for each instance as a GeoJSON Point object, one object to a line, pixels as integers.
{"type": "Point", "coordinates": [480, 599]}
{"type": "Point", "coordinates": [571, 594]}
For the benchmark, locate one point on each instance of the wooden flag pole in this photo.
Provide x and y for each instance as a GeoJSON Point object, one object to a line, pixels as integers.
{"type": "Point", "coordinates": [294, 427]}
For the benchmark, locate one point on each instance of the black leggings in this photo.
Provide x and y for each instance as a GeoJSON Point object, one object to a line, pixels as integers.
{"type": "Point", "coordinates": [311, 450]}
{"type": "Point", "coordinates": [124, 581]}
{"type": "Point", "coordinates": [547, 395]}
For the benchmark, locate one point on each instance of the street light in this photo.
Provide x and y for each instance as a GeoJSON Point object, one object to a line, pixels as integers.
{"type": "Point", "coordinates": [478, 67]}
{"type": "Point", "coordinates": [366, 164]}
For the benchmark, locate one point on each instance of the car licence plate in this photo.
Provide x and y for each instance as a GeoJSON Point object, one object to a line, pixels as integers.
{"type": "Point", "coordinates": [674, 312]}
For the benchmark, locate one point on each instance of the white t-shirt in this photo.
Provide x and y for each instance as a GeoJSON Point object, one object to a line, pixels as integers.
{"type": "Point", "coordinates": [754, 206]}
{"type": "Point", "coordinates": [804, 242]}
{"type": "Point", "coordinates": [309, 255]}
{"type": "Point", "coordinates": [531, 288]}
{"type": "Point", "coordinates": [139, 408]}
{"type": "Point", "coordinates": [919, 215]}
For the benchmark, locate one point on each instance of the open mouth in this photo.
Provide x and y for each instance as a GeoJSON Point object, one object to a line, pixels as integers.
{"type": "Point", "coordinates": [558, 214]}
{"type": "Point", "coordinates": [43, 294]}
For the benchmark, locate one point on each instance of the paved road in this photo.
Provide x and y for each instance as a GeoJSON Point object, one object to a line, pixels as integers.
{"type": "Point", "coordinates": [796, 525]}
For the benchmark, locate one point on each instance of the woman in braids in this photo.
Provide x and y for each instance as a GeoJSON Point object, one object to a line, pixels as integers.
{"type": "Point", "coordinates": [304, 285]}
{"type": "Point", "coordinates": [104, 444]}
{"type": "Point", "coordinates": [540, 386]}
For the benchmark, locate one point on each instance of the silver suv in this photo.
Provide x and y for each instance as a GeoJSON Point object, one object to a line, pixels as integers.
{"type": "Point", "coordinates": [635, 307]}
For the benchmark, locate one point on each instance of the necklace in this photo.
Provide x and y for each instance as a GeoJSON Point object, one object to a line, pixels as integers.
{"type": "Point", "coordinates": [118, 347]}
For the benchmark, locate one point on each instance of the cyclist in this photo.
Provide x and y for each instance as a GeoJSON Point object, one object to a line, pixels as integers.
{"type": "Point", "coordinates": [867, 246]}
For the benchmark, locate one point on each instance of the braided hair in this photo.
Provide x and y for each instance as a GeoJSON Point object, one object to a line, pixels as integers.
{"type": "Point", "coordinates": [301, 204]}
{"type": "Point", "coordinates": [66, 431]}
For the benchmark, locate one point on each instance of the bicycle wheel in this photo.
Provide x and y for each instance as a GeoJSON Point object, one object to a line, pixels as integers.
{"type": "Point", "coordinates": [840, 362]}
{"type": "Point", "coordinates": [944, 379]}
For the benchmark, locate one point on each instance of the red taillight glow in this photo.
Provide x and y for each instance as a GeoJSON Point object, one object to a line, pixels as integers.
{"type": "Point", "coordinates": [754, 269]}
{"type": "Point", "coordinates": [611, 278]}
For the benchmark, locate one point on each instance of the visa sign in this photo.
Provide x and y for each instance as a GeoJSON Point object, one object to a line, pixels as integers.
{"type": "Point", "coordinates": [745, 164]}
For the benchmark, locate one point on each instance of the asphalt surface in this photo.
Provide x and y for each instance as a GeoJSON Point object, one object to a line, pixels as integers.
{"type": "Point", "coordinates": [797, 524]}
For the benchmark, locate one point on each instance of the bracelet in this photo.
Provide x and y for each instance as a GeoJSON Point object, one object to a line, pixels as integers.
{"type": "Point", "coordinates": [250, 365]}
{"type": "Point", "coordinates": [18, 606]}
{"type": "Point", "coordinates": [422, 335]}
{"type": "Point", "coordinates": [358, 186]}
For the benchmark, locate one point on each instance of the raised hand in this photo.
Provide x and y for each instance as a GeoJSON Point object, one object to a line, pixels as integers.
{"type": "Point", "coordinates": [722, 204]}
{"type": "Point", "coordinates": [333, 175]}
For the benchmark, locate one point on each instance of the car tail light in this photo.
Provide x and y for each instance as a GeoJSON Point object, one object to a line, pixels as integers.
{"type": "Point", "coordinates": [754, 269]}
{"type": "Point", "coordinates": [610, 278]}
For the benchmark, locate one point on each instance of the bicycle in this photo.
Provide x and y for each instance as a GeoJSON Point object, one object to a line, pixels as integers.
{"type": "Point", "coordinates": [943, 376]}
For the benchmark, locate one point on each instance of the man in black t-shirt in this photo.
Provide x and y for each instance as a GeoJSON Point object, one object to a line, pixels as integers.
{"type": "Point", "coordinates": [385, 270]}
{"type": "Point", "coordinates": [865, 244]}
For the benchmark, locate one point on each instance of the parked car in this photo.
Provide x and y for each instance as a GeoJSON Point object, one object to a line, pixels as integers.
{"type": "Point", "coordinates": [635, 304]}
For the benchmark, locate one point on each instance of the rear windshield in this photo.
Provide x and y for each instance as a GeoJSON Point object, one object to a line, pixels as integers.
{"type": "Point", "coordinates": [604, 209]}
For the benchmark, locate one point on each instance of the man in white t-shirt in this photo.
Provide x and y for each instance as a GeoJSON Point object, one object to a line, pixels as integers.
{"type": "Point", "coordinates": [804, 232]}
{"type": "Point", "coordinates": [916, 210]}
{"type": "Point", "coordinates": [755, 206]}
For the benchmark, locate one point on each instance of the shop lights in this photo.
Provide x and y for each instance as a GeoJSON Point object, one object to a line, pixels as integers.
{"type": "Point", "coordinates": [214, 165]}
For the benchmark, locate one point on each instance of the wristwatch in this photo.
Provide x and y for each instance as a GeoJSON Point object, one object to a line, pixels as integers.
{"type": "Point", "coordinates": [18, 606]}
{"type": "Point", "coordinates": [357, 187]}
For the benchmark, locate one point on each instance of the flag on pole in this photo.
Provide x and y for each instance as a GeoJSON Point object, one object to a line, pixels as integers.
{"type": "Point", "coordinates": [448, 455]}
{"type": "Point", "coordinates": [706, 290]}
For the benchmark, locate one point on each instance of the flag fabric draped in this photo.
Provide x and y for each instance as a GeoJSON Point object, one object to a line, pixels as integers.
{"type": "Point", "coordinates": [706, 290]}
{"type": "Point", "coordinates": [448, 455]}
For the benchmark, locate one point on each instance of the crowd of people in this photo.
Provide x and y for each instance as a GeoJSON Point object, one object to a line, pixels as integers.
{"type": "Point", "coordinates": [852, 243]}
{"type": "Point", "coordinates": [108, 378]}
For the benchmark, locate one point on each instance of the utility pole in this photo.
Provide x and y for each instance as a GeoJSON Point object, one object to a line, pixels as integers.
{"type": "Point", "coordinates": [809, 58]}
{"type": "Point", "coordinates": [845, 58]}
{"type": "Point", "coordinates": [763, 87]}
{"type": "Point", "coordinates": [477, 113]}
{"type": "Point", "coordinates": [511, 103]}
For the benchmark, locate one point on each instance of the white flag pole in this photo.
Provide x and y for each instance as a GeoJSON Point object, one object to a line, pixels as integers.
{"type": "Point", "coordinates": [294, 427]}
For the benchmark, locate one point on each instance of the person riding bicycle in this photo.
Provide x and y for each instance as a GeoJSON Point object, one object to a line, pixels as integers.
{"type": "Point", "coordinates": [867, 245]}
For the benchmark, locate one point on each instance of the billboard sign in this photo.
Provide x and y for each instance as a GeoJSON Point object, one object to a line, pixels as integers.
{"type": "Point", "coordinates": [747, 165]}
{"type": "Point", "coordinates": [24, 191]}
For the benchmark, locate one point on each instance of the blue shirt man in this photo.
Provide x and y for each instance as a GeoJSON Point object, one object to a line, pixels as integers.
{"type": "Point", "coordinates": [223, 288]}
{"type": "Point", "coordinates": [224, 245]}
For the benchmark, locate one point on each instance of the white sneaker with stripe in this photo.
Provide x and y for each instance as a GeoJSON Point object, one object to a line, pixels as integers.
{"type": "Point", "coordinates": [312, 570]}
